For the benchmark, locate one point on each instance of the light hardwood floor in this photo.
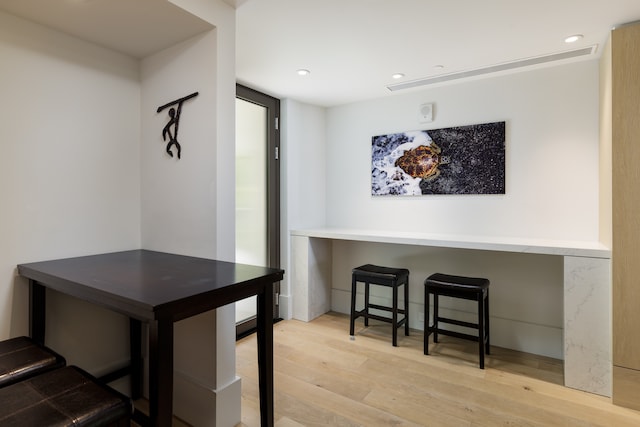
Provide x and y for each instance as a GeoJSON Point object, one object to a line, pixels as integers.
{"type": "Point", "coordinates": [322, 378]}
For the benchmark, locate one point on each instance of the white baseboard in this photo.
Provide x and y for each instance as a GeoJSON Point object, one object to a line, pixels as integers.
{"type": "Point", "coordinates": [285, 307]}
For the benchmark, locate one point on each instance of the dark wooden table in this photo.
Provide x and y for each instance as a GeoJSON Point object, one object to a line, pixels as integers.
{"type": "Point", "coordinates": [159, 289]}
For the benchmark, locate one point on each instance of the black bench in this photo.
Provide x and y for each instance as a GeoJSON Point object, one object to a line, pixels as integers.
{"type": "Point", "coordinates": [22, 358]}
{"type": "Point", "coordinates": [67, 396]}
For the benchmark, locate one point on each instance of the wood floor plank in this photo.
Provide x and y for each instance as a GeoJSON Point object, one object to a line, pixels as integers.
{"type": "Point", "coordinates": [322, 378]}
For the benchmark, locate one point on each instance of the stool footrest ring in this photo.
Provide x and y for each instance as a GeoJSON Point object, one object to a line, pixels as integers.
{"type": "Point", "coordinates": [366, 315]}
{"type": "Point", "coordinates": [383, 308]}
{"type": "Point", "coordinates": [458, 322]}
{"type": "Point", "coordinates": [455, 334]}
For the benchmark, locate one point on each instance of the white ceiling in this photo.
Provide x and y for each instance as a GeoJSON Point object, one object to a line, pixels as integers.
{"type": "Point", "coordinates": [135, 27]}
{"type": "Point", "coordinates": [351, 47]}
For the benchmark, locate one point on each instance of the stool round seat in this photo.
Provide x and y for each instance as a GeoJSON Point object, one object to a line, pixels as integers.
{"type": "Point", "coordinates": [469, 288]}
{"type": "Point", "coordinates": [371, 274]}
{"type": "Point", "coordinates": [380, 273]}
{"type": "Point", "coordinates": [461, 283]}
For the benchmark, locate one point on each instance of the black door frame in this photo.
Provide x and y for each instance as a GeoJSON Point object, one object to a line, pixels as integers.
{"type": "Point", "coordinates": [272, 106]}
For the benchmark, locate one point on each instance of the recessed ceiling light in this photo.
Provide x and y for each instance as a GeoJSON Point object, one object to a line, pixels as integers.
{"type": "Point", "coordinates": [397, 76]}
{"type": "Point", "coordinates": [574, 38]}
{"type": "Point", "coordinates": [303, 72]}
{"type": "Point", "coordinates": [438, 67]}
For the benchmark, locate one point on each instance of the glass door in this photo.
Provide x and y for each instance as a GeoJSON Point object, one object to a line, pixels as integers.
{"type": "Point", "coordinates": [257, 191]}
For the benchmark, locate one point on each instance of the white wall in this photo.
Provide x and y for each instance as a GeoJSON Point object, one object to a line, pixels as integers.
{"type": "Point", "coordinates": [188, 205]}
{"type": "Point", "coordinates": [69, 177]}
{"type": "Point", "coordinates": [551, 119]}
{"type": "Point", "coordinates": [220, 14]}
{"type": "Point", "coordinates": [303, 172]}
{"type": "Point", "coordinates": [552, 181]}
{"type": "Point", "coordinates": [606, 142]}
{"type": "Point", "coordinates": [179, 195]}
{"type": "Point", "coordinates": [526, 290]}
{"type": "Point", "coordinates": [84, 171]}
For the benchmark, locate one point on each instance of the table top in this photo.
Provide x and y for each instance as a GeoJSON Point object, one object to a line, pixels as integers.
{"type": "Point", "coordinates": [487, 243]}
{"type": "Point", "coordinates": [150, 285]}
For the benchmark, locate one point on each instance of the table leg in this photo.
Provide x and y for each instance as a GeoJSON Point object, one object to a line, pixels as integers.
{"type": "Point", "coordinates": [265, 354]}
{"type": "Point", "coordinates": [135, 351]}
{"type": "Point", "coordinates": [37, 311]}
{"type": "Point", "coordinates": [161, 373]}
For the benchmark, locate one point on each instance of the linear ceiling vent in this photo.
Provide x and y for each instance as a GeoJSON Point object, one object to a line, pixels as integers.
{"type": "Point", "coordinates": [495, 68]}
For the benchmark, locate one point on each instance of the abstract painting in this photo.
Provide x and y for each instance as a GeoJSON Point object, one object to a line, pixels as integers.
{"type": "Point", "coordinates": [455, 160]}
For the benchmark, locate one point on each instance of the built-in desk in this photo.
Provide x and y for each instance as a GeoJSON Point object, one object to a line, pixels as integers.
{"type": "Point", "coordinates": [586, 292]}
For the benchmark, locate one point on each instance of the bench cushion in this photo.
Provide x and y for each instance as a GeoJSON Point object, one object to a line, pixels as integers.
{"type": "Point", "coordinates": [67, 396]}
{"type": "Point", "coordinates": [21, 358]}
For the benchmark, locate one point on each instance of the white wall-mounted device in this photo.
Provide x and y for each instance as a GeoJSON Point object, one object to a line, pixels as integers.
{"type": "Point", "coordinates": [425, 113]}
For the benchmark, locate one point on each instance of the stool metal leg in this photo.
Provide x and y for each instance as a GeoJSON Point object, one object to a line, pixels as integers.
{"type": "Point", "coordinates": [406, 307]}
{"type": "Point", "coordinates": [481, 330]}
{"type": "Point", "coordinates": [486, 322]}
{"type": "Point", "coordinates": [435, 317]}
{"type": "Point", "coordinates": [394, 315]}
{"type": "Point", "coordinates": [426, 321]}
{"type": "Point", "coordinates": [366, 303]}
{"type": "Point", "coordinates": [354, 287]}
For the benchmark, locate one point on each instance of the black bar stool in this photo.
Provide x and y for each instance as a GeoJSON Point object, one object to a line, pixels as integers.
{"type": "Point", "coordinates": [383, 276]}
{"type": "Point", "coordinates": [469, 288]}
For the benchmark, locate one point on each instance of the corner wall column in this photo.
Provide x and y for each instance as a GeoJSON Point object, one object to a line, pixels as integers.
{"type": "Point", "coordinates": [311, 277]}
{"type": "Point", "coordinates": [587, 324]}
{"type": "Point", "coordinates": [625, 68]}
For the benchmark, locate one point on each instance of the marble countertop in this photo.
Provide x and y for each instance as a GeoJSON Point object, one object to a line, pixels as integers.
{"type": "Point", "coordinates": [505, 244]}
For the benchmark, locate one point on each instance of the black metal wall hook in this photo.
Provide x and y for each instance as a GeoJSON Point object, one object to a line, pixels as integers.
{"type": "Point", "coordinates": [174, 121]}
